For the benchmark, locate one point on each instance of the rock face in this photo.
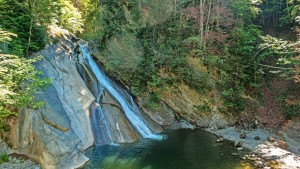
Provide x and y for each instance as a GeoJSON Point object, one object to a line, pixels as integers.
{"type": "Point", "coordinates": [57, 134]}
{"type": "Point", "coordinates": [180, 102]}
{"type": "Point", "coordinates": [83, 108]}
{"type": "Point", "coordinates": [122, 119]}
{"type": "Point", "coordinates": [114, 125]}
{"type": "Point", "coordinates": [77, 114]}
{"type": "Point", "coordinates": [193, 107]}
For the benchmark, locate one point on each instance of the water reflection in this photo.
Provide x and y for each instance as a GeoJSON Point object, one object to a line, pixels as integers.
{"type": "Point", "coordinates": [184, 149]}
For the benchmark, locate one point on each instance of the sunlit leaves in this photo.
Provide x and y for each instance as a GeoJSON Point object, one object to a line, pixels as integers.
{"type": "Point", "coordinates": [70, 17]}
{"type": "Point", "coordinates": [19, 80]}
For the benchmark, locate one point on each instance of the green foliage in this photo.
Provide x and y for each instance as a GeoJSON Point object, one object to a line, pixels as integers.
{"type": "Point", "coordinates": [284, 54]}
{"type": "Point", "coordinates": [245, 10]}
{"type": "Point", "coordinates": [69, 17]}
{"type": "Point", "coordinates": [149, 44]}
{"type": "Point", "coordinates": [245, 39]}
{"type": "Point", "coordinates": [291, 111]}
{"type": "Point", "coordinates": [19, 80]}
{"type": "Point", "coordinates": [123, 54]}
{"type": "Point", "coordinates": [17, 18]}
{"type": "Point", "coordinates": [203, 108]}
{"type": "Point", "coordinates": [168, 40]}
{"type": "Point", "coordinates": [146, 77]}
{"type": "Point", "coordinates": [279, 13]}
{"type": "Point", "coordinates": [200, 81]}
{"type": "Point", "coordinates": [156, 11]}
{"type": "Point", "coordinates": [42, 12]}
{"type": "Point", "coordinates": [110, 18]}
{"type": "Point", "coordinates": [277, 48]}
{"type": "Point", "coordinates": [233, 99]}
{"type": "Point", "coordinates": [4, 158]}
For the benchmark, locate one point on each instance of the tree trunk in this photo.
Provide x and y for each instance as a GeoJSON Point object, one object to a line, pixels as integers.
{"type": "Point", "coordinates": [30, 5]}
{"type": "Point", "coordinates": [201, 22]}
{"type": "Point", "coordinates": [207, 22]}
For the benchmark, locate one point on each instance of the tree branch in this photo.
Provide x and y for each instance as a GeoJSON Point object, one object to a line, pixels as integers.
{"type": "Point", "coordinates": [269, 66]}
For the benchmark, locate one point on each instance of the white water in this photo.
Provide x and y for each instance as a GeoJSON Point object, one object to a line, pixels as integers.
{"type": "Point", "coordinates": [100, 126]}
{"type": "Point", "coordinates": [125, 100]}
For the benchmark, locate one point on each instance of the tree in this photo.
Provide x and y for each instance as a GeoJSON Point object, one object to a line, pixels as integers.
{"type": "Point", "coordinates": [69, 17]}
{"type": "Point", "coordinates": [16, 17]}
{"type": "Point", "coordinates": [215, 19]}
{"type": "Point", "coordinates": [19, 80]}
{"type": "Point", "coordinates": [279, 13]}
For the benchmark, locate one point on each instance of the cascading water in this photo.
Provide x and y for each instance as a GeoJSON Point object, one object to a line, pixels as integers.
{"type": "Point", "coordinates": [129, 108]}
{"type": "Point", "coordinates": [100, 126]}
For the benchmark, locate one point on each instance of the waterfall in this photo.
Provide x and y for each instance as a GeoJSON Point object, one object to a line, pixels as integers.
{"type": "Point", "coordinates": [100, 126]}
{"type": "Point", "coordinates": [126, 102]}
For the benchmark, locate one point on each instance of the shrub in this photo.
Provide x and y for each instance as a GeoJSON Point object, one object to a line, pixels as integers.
{"type": "Point", "coordinates": [291, 111]}
{"type": "Point", "coordinates": [4, 158]}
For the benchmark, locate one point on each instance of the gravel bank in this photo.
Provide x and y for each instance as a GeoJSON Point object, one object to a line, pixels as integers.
{"type": "Point", "coordinates": [15, 163]}
{"type": "Point", "coordinates": [265, 154]}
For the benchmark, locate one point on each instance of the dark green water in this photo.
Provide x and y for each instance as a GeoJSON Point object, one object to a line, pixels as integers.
{"type": "Point", "coordinates": [184, 149]}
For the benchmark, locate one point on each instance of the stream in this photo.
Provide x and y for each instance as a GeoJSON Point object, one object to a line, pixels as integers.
{"type": "Point", "coordinates": [184, 149]}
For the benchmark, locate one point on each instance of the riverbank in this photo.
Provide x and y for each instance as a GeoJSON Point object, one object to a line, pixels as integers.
{"type": "Point", "coordinates": [19, 163]}
{"type": "Point", "coordinates": [268, 150]}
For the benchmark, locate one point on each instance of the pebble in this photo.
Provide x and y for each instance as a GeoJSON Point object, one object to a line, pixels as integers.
{"type": "Point", "coordinates": [257, 138]}
{"type": "Point", "coordinates": [259, 163]}
{"type": "Point", "coordinates": [15, 163]}
{"type": "Point", "coordinates": [240, 148]}
{"type": "Point", "coordinates": [243, 136]}
{"type": "Point", "coordinates": [238, 144]}
{"type": "Point", "coordinates": [220, 139]}
{"type": "Point", "coordinates": [271, 139]}
{"type": "Point", "coordinates": [282, 144]}
{"type": "Point", "coordinates": [234, 154]}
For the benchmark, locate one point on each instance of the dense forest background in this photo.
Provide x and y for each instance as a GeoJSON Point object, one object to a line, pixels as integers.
{"type": "Point", "coordinates": [244, 52]}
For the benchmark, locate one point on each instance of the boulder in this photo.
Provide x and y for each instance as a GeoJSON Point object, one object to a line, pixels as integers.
{"type": "Point", "coordinates": [220, 139]}
{"type": "Point", "coordinates": [243, 136]}
{"type": "Point", "coordinates": [257, 138]}
{"type": "Point", "coordinates": [271, 139]}
{"type": "Point", "coordinates": [238, 144]}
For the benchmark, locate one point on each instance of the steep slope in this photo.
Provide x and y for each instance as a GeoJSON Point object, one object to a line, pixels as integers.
{"type": "Point", "coordinates": [78, 112]}
{"type": "Point", "coordinates": [57, 134]}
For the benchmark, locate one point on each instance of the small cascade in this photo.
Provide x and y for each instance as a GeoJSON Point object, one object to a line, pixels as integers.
{"type": "Point", "coordinates": [100, 126]}
{"type": "Point", "coordinates": [126, 102]}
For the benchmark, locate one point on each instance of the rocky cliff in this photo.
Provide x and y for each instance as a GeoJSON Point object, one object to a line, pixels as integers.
{"type": "Point", "coordinates": [79, 112]}
{"type": "Point", "coordinates": [57, 134]}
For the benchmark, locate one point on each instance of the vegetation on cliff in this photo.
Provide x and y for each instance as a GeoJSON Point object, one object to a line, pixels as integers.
{"type": "Point", "coordinates": [218, 48]}
{"type": "Point", "coordinates": [212, 46]}
{"type": "Point", "coordinates": [19, 81]}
